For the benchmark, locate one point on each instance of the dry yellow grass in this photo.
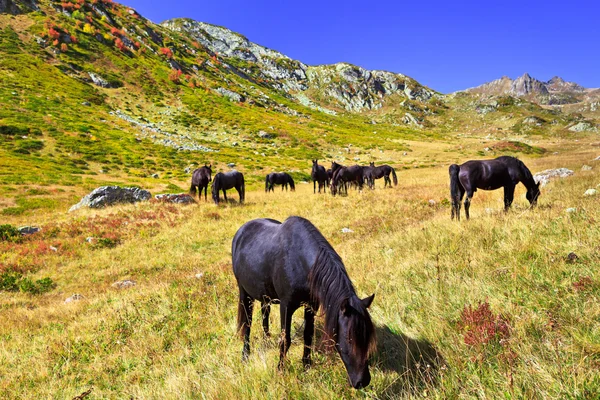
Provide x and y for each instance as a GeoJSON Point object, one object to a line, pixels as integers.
{"type": "Point", "coordinates": [173, 335]}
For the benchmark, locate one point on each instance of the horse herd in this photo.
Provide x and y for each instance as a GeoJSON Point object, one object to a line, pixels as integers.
{"type": "Point", "coordinates": [293, 265]}
{"type": "Point", "coordinates": [466, 178]}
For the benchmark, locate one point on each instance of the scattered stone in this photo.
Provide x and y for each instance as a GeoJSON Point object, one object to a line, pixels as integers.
{"type": "Point", "coordinates": [124, 284]}
{"type": "Point", "coordinates": [235, 144]}
{"type": "Point", "coordinates": [597, 158]}
{"type": "Point", "coordinates": [586, 168]}
{"type": "Point", "coordinates": [231, 95]}
{"type": "Point", "coordinates": [487, 149]}
{"type": "Point", "coordinates": [54, 249]}
{"type": "Point", "coordinates": [199, 275]}
{"type": "Point", "coordinates": [582, 127]}
{"type": "Point", "coordinates": [75, 297]}
{"type": "Point", "coordinates": [155, 175]}
{"type": "Point", "coordinates": [109, 195]}
{"type": "Point", "coordinates": [432, 202]}
{"type": "Point", "coordinates": [590, 192]}
{"type": "Point", "coordinates": [405, 154]}
{"type": "Point", "coordinates": [90, 239]}
{"type": "Point", "coordinates": [231, 165]}
{"type": "Point", "coordinates": [544, 177]}
{"type": "Point", "coordinates": [86, 103]}
{"type": "Point", "coordinates": [99, 81]}
{"type": "Point", "coordinates": [179, 198]}
{"type": "Point", "coordinates": [572, 257]}
{"type": "Point", "coordinates": [265, 135]}
{"type": "Point", "coordinates": [571, 210]}
{"type": "Point", "coordinates": [29, 230]}
{"type": "Point", "coordinates": [347, 230]}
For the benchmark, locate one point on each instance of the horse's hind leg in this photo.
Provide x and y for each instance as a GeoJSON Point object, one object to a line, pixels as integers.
{"type": "Point", "coordinates": [286, 322]}
{"type": "Point", "coordinates": [509, 195]}
{"type": "Point", "coordinates": [456, 204]}
{"type": "Point", "coordinates": [468, 203]}
{"type": "Point", "coordinates": [309, 331]}
{"type": "Point", "coordinates": [245, 321]}
{"type": "Point", "coordinates": [266, 311]}
{"type": "Point", "coordinates": [206, 193]}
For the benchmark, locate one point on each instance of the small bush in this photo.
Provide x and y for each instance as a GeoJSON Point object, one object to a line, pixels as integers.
{"type": "Point", "coordinates": [9, 232]}
{"type": "Point", "coordinates": [14, 282]}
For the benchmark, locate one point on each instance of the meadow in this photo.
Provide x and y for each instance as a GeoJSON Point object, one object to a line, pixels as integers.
{"type": "Point", "coordinates": [493, 307]}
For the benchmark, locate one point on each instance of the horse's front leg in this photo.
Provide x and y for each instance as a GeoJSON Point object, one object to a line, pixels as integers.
{"type": "Point", "coordinates": [225, 195]}
{"type": "Point", "coordinates": [286, 338]}
{"type": "Point", "coordinates": [509, 195]}
{"type": "Point", "coordinates": [309, 331]}
{"type": "Point", "coordinates": [206, 193]}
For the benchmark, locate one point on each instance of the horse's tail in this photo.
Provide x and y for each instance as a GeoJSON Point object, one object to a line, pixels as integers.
{"type": "Point", "coordinates": [193, 190]}
{"type": "Point", "coordinates": [455, 190]}
{"type": "Point", "coordinates": [266, 183]}
{"type": "Point", "coordinates": [292, 185]}
{"type": "Point", "coordinates": [394, 176]}
{"type": "Point", "coordinates": [216, 186]}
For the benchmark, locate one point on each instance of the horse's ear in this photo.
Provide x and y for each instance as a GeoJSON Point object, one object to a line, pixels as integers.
{"type": "Point", "coordinates": [368, 300]}
{"type": "Point", "coordinates": [345, 307]}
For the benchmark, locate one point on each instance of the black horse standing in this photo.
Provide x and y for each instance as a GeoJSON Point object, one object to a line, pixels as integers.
{"type": "Point", "coordinates": [294, 265]}
{"type": "Point", "coordinates": [228, 180]}
{"type": "Point", "coordinates": [318, 175]}
{"type": "Point", "coordinates": [279, 178]}
{"type": "Point", "coordinates": [383, 171]}
{"type": "Point", "coordinates": [201, 177]}
{"type": "Point", "coordinates": [493, 174]}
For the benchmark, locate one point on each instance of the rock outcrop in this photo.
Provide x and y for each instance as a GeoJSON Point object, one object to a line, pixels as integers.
{"type": "Point", "coordinates": [108, 195]}
{"type": "Point", "coordinates": [544, 177]}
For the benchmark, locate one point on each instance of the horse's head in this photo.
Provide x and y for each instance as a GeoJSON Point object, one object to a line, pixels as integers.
{"type": "Point", "coordinates": [371, 164]}
{"type": "Point", "coordinates": [355, 339]}
{"type": "Point", "coordinates": [533, 193]}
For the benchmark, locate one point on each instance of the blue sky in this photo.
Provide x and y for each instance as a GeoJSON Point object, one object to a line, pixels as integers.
{"type": "Point", "coordinates": [447, 45]}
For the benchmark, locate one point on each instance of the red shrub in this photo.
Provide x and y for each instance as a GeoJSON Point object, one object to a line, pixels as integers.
{"type": "Point", "coordinates": [166, 52]}
{"type": "Point", "coordinates": [53, 33]}
{"type": "Point", "coordinates": [481, 326]}
{"type": "Point", "coordinates": [175, 75]}
{"type": "Point", "coordinates": [64, 48]}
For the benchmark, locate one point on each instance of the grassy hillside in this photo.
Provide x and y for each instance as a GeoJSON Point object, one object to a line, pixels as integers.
{"type": "Point", "coordinates": [492, 308]}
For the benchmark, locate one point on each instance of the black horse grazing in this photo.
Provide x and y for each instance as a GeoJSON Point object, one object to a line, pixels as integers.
{"type": "Point", "coordinates": [294, 265]}
{"type": "Point", "coordinates": [503, 171]}
{"type": "Point", "coordinates": [319, 175]}
{"type": "Point", "coordinates": [228, 180]}
{"type": "Point", "coordinates": [384, 171]}
{"type": "Point", "coordinates": [201, 177]}
{"type": "Point", "coordinates": [344, 175]}
{"type": "Point", "coordinates": [279, 178]}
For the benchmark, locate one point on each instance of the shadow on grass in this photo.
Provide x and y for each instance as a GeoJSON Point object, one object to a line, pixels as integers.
{"type": "Point", "coordinates": [416, 362]}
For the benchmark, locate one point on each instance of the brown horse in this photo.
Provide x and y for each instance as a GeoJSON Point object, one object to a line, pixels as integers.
{"type": "Point", "coordinates": [201, 177]}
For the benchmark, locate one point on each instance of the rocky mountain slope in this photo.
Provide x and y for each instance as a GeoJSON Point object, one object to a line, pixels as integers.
{"type": "Point", "coordinates": [341, 85]}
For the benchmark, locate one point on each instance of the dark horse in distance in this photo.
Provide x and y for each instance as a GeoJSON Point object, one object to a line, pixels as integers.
{"type": "Point", "coordinates": [342, 176]}
{"type": "Point", "coordinates": [228, 180]}
{"type": "Point", "coordinates": [279, 178]}
{"type": "Point", "coordinates": [383, 171]}
{"type": "Point", "coordinates": [291, 263]}
{"type": "Point", "coordinates": [201, 177]}
{"type": "Point", "coordinates": [318, 175]}
{"type": "Point", "coordinates": [493, 174]}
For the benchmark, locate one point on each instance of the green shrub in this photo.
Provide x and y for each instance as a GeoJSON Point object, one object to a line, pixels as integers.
{"type": "Point", "coordinates": [14, 282]}
{"type": "Point", "coordinates": [9, 232]}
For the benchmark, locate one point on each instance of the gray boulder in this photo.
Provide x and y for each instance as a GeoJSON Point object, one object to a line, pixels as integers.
{"type": "Point", "coordinates": [179, 198]}
{"type": "Point", "coordinates": [29, 230]}
{"type": "Point", "coordinates": [99, 81]}
{"type": "Point", "coordinates": [583, 127]}
{"type": "Point", "coordinates": [109, 195]}
{"type": "Point", "coordinates": [544, 177]}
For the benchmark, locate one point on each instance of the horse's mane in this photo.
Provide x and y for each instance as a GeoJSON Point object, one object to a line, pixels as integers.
{"type": "Point", "coordinates": [330, 288]}
{"type": "Point", "coordinates": [527, 176]}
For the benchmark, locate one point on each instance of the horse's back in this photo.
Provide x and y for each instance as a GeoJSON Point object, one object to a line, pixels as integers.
{"type": "Point", "coordinates": [271, 259]}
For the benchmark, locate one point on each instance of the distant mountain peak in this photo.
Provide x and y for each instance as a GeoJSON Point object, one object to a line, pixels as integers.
{"type": "Point", "coordinates": [554, 91]}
